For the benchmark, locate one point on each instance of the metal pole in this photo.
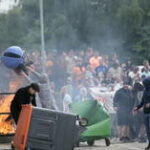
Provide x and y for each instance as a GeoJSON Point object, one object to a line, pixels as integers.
{"type": "Point", "coordinates": [43, 53]}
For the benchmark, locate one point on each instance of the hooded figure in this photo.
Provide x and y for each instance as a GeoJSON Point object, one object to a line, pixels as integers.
{"type": "Point", "coordinates": [146, 105]}
{"type": "Point", "coordinates": [124, 103]}
{"type": "Point", "coordinates": [146, 97]}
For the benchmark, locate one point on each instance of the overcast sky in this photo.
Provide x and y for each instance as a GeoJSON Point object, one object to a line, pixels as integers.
{"type": "Point", "coordinates": [6, 5]}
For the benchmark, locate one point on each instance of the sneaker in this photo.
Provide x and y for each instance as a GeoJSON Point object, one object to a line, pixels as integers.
{"type": "Point", "coordinates": [127, 140]}
{"type": "Point", "coordinates": [142, 140]}
{"type": "Point", "coordinates": [121, 139]}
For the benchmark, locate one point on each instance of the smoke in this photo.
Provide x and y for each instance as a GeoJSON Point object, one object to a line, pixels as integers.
{"type": "Point", "coordinates": [84, 23]}
{"type": "Point", "coordinates": [4, 78]}
{"type": "Point", "coordinates": [73, 24]}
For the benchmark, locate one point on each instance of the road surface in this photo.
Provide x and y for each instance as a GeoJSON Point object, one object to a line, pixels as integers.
{"type": "Point", "coordinates": [99, 146]}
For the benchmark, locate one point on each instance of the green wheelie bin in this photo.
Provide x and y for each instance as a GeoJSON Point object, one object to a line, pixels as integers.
{"type": "Point", "coordinates": [96, 120]}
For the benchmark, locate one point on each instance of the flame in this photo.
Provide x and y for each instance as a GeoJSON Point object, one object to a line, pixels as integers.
{"type": "Point", "coordinates": [6, 127]}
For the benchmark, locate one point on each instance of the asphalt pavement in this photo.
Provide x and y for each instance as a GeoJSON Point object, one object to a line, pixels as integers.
{"type": "Point", "coordinates": [100, 145]}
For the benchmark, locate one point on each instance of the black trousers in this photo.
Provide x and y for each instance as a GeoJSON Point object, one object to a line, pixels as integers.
{"type": "Point", "coordinates": [15, 112]}
{"type": "Point", "coordinates": [147, 125]}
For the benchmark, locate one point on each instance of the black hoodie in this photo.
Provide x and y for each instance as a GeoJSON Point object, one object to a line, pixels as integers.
{"type": "Point", "coordinates": [146, 96]}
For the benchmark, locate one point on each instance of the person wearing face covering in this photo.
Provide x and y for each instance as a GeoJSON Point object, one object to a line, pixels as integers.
{"type": "Point", "coordinates": [123, 104]}
{"type": "Point", "coordinates": [145, 104]}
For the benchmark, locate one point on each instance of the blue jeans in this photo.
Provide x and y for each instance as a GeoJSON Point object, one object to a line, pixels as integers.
{"type": "Point", "coordinates": [147, 125]}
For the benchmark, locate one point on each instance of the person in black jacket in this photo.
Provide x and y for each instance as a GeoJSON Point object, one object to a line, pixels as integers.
{"type": "Point", "coordinates": [138, 128]}
{"type": "Point", "coordinates": [145, 103]}
{"type": "Point", "coordinates": [123, 104]}
{"type": "Point", "coordinates": [23, 96]}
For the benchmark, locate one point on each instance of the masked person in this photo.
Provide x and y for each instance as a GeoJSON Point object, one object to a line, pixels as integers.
{"type": "Point", "coordinates": [123, 104]}
{"type": "Point", "coordinates": [23, 96]}
{"type": "Point", "coordinates": [146, 105]}
{"type": "Point", "coordinates": [138, 128]}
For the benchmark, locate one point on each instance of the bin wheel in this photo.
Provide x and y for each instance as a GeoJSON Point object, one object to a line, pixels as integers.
{"type": "Point", "coordinates": [72, 148]}
{"type": "Point", "coordinates": [12, 147]}
{"type": "Point", "coordinates": [78, 144]}
{"type": "Point", "coordinates": [107, 141]}
{"type": "Point", "coordinates": [90, 143]}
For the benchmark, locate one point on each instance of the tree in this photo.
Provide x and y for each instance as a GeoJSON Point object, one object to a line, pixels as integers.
{"type": "Point", "coordinates": [11, 28]}
{"type": "Point", "coordinates": [107, 25]}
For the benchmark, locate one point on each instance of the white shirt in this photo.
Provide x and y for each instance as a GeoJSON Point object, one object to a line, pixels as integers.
{"type": "Point", "coordinates": [66, 102]}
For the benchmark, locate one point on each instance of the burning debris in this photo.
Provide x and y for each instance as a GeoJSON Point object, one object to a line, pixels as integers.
{"type": "Point", "coordinates": [6, 127]}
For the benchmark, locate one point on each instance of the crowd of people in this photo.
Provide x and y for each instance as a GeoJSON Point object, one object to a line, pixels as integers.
{"type": "Point", "coordinates": [73, 73]}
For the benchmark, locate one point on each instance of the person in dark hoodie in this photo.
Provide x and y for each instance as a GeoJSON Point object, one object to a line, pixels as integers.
{"type": "Point", "coordinates": [137, 127]}
{"type": "Point", "coordinates": [145, 103]}
{"type": "Point", "coordinates": [123, 104]}
{"type": "Point", "coordinates": [23, 96]}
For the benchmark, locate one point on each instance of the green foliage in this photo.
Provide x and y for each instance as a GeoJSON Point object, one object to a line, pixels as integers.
{"type": "Point", "coordinates": [10, 28]}
{"type": "Point", "coordinates": [107, 25]}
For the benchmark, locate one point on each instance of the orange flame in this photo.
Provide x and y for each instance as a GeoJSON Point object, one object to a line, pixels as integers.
{"type": "Point", "coordinates": [6, 127]}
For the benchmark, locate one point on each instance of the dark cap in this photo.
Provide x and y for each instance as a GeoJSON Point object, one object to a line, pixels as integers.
{"type": "Point", "coordinates": [138, 86]}
{"type": "Point", "coordinates": [127, 82]}
{"type": "Point", "coordinates": [35, 86]}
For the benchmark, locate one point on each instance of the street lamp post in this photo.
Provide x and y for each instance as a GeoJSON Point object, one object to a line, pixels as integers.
{"type": "Point", "coordinates": [43, 53]}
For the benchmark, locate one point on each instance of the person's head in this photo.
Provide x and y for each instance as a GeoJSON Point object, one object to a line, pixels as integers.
{"type": "Point", "coordinates": [34, 88]}
{"type": "Point", "coordinates": [65, 90]}
{"type": "Point", "coordinates": [115, 65]}
{"type": "Point", "coordinates": [87, 82]}
{"type": "Point", "coordinates": [128, 62]}
{"type": "Point", "coordinates": [146, 82]}
{"type": "Point", "coordinates": [69, 80]}
{"type": "Point", "coordinates": [101, 75]}
{"type": "Point", "coordinates": [126, 85]}
{"type": "Point", "coordinates": [146, 63]}
{"type": "Point", "coordinates": [143, 77]}
{"type": "Point", "coordinates": [44, 78]}
{"type": "Point", "coordinates": [83, 92]}
{"type": "Point", "coordinates": [89, 68]}
{"type": "Point", "coordinates": [96, 54]}
{"type": "Point", "coordinates": [143, 70]}
{"type": "Point", "coordinates": [135, 69]}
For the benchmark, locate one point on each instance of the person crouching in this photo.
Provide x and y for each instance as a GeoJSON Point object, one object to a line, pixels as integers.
{"type": "Point", "coordinates": [23, 96]}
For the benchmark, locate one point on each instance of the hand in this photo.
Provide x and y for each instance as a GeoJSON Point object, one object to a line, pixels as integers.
{"type": "Point", "coordinates": [147, 105]}
{"type": "Point", "coordinates": [116, 108]}
{"type": "Point", "coordinates": [135, 109]}
{"type": "Point", "coordinates": [30, 68]}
